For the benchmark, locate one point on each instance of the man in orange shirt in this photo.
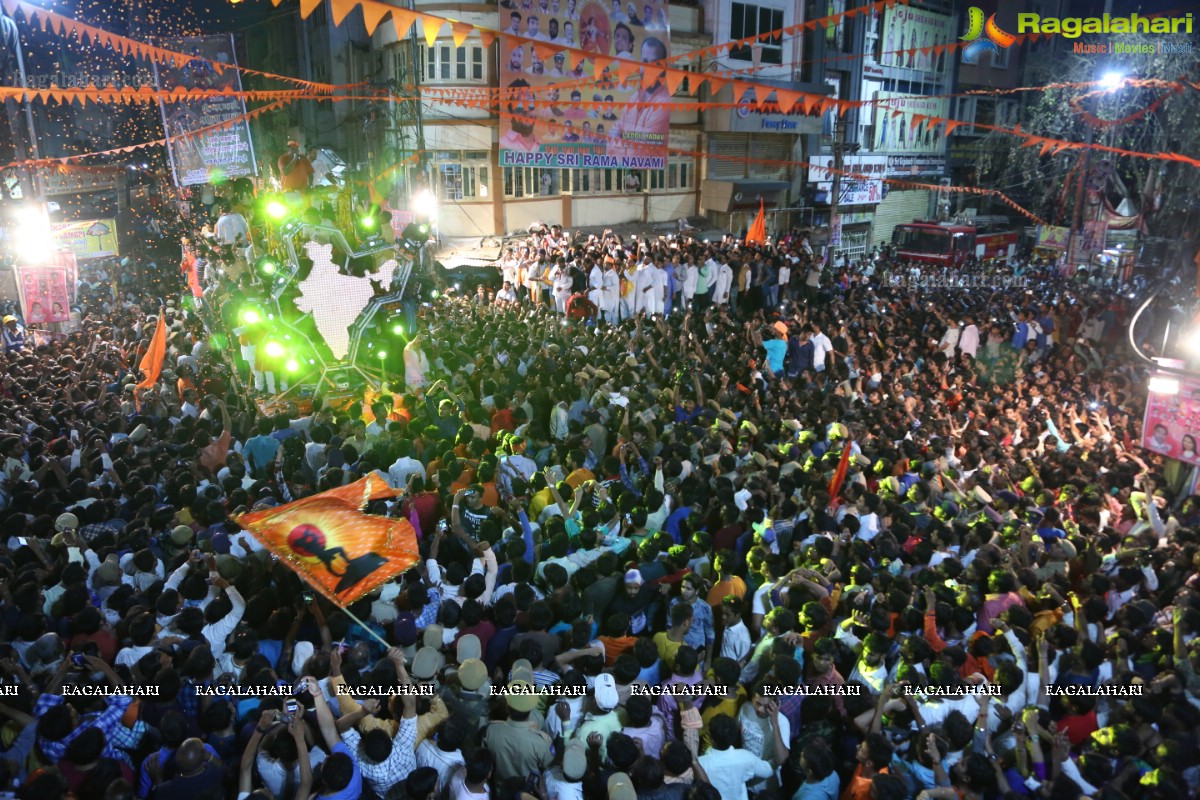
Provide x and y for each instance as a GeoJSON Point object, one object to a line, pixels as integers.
{"type": "Point", "coordinates": [295, 171]}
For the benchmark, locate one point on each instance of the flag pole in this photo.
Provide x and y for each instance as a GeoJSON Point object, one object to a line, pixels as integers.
{"type": "Point", "coordinates": [370, 631]}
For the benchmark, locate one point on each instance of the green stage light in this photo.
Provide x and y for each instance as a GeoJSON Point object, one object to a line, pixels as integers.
{"type": "Point", "coordinates": [266, 265]}
{"type": "Point", "coordinates": [382, 354]}
{"type": "Point", "coordinates": [276, 210]}
{"type": "Point", "coordinates": [435, 294]}
{"type": "Point", "coordinates": [398, 329]}
{"type": "Point", "coordinates": [250, 316]}
{"type": "Point", "coordinates": [423, 229]}
{"type": "Point", "coordinates": [292, 365]}
{"type": "Point", "coordinates": [274, 349]}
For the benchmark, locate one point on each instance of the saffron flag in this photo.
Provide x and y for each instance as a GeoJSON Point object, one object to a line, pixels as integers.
{"type": "Point", "coordinates": [839, 475]}
{"type": "Point", "coordinates": [152, 360]}
{"type": "Point", "coordinates": [332, 544]}
{"type": "Point", "coordinates": [758, 229]}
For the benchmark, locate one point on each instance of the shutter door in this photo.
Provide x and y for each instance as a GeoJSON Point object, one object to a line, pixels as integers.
{"type": "Point", "coordinates": [767, 149]}
{"type": "Point", "coordinates": [732, 149]}
{"type": "Point", "coordinates": [896, 209]}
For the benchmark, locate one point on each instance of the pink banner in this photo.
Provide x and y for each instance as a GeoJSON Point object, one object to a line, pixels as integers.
{"type": "Point", "coordinates": [46, 291]}
{"type": "Point", "coordinates": [1172, 423]}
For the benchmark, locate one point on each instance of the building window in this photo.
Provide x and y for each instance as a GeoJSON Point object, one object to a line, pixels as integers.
{"type": "Point", "coordinates": [679, 174]}
{"type": "Point", "coordinates": [530, 182]}
{"type": "Point", "coordinates": [462, 175]}
{"type": "Point", "coordinates": [596, 181]}
{"type": "Point", "coordinates": [750, 20]}
{"type": "Point", "coordinates": [449, 64]}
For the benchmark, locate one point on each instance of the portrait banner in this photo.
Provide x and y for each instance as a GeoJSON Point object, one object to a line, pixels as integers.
{"type": "Point", "coordinates": [45, 291]}
{"type": "Point", "coordinates": [581, 126]}
{"type": "Point", "coordinates": [332, 544]}
{"type": "Point", "coordinates": [214, 155]}
{"type": "Point", "coordinates": [1171, 426]}
{"type": "Point", "coordinates": [903, 123]}
{"type": "Point", "coordinates": [907, 31]}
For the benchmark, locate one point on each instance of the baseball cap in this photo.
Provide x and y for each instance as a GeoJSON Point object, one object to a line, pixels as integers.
{"type": "Point", "coordinates": [66, 522]}
{"type": "Point", "coordinates": [620, 787]}
{"type": "Point", "coordinates": [574, 761]}
{"type": "Point", "coordinates": [606, 692]}
{"type": "Point", "coordinates": [521, 671]}
{"type": "Point", "coordinates": [522, 696]}
{"type": "Point", "coordinates": [426, 664]}
{"type": "Point", "coordinates": [472, 674]}
{"type": "Point", "coordinates": [468, 648]}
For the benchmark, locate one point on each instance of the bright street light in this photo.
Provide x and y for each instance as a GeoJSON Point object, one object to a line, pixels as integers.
{"type": "Point", "coordinates": [425, 204]}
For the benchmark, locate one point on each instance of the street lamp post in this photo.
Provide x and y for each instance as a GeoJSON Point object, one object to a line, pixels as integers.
{"type": "Point", "coordinates": [1110, 81]}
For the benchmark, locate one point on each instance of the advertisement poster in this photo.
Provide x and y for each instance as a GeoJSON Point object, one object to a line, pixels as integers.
{"type": "Point", "coordinates": [897, 130]}
{"type": "Point", "coordinates": [45, 293]}
{"type": "Point", "coordinates": [1172, 423]}
{"type": "Point", "coordinates": [92, 238]}
{"type": "Point", "coordinates": [910, 29]}
{"type": "Point", "coordinates": [545, 126]}
{"type": "Point", "coordinates": [1053, 236]}
{"type": "Point", "coordinates": [218, 154]}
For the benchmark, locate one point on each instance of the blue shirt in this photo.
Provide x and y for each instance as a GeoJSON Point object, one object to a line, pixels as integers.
{"type": "Point", "coordinates": [261, 451]}
{"type": "Point", "coordinates": [353, 789]}
{"type": "Point", "coordinates": [776, 350]}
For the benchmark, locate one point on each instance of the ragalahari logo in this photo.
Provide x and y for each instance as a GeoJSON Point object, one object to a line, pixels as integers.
{"type": "Point", "coordinates": [996, 38]}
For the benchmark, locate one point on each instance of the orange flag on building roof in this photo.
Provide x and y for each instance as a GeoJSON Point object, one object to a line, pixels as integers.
{"type": "Point", "coordinates": [332, 544]}
{"type": "Point", "coordinates": [757, 234]}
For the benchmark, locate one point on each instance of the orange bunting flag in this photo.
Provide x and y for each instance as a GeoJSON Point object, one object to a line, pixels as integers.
{"type": "Point", "coordinates": [152, 361]}
{"type": "Point", "coordinates": [334, 546]}
{"type": "Point", "coordinates": [757, 234]}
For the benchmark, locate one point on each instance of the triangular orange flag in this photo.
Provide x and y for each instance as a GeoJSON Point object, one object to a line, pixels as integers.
{"type": "Point", "coordinates": [373, 14]}
{"type": "Point", "coordinates": [430, 26]}
{"type": "Point", "coordinates": [339, 9]}
{"type": "Point", "coordinates": [307, 7]}
{"type": "Point", "coordinates": [334, 546]}
{"type": "Point", "coordinates": [675, 78]}
{"type": "Point", "coordinates": [152, 361]}
{"type": "Point", "coordinates": [487, 37]}
{"type": "Point", "coordinates": [787, 100]}
{"type": "Point", "coordinates": [757, 233]}
{"type": "Point", "coordinates": [403, 19]}
{"type": "Point", "coordinates": [461, 31]}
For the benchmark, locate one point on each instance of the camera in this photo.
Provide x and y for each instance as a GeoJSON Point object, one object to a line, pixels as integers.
{"type": "Point", "coordinates": [79, 660]}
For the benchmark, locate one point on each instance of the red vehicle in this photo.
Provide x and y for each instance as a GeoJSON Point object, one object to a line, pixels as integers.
{"type": "Point", "coordinates": [951, 244]}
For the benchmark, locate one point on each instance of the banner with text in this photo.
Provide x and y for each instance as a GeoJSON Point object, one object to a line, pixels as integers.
{"type": "Point", "coordinates": [580, 125]}
{"type": "Point", "coordinates": [91, 238]}
{"type": "Point", "coordinates": [215, 155]}
{"type": "Point", "coordinates": [901, 124]}
{"type": "Point", "coordinates": [910, 29]}
{"type": "Point", "coordinates": [1172, 423]}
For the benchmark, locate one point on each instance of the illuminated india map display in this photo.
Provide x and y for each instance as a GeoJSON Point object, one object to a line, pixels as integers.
{"type": "Point", "coordinates": [335, 299]}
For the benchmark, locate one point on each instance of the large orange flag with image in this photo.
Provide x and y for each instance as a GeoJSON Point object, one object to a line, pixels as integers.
{"type": "Point", "coordinates": [332, 544]}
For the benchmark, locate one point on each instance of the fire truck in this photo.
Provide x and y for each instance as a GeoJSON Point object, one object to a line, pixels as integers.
{"type": "Point", "coordinates": [952, 243]}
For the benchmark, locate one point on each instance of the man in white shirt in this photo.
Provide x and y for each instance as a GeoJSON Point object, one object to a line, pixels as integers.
{"type": "Point", "coordinates": [404, 466]}
{"type": "Point", "coordinates": [730, 769]}
{"type": "Point", "coordinates": [822, 347]}
{"type": "Point", "coordinates": [968, 341]}
{"type": "Point", "coordinates": [229, 226]}
{"type": "Point", "coordinates": [724, 283]}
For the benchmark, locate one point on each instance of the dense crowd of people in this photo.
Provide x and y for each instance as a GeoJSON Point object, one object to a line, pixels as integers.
{"type": "Point", "coordinates": [697, 520]}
